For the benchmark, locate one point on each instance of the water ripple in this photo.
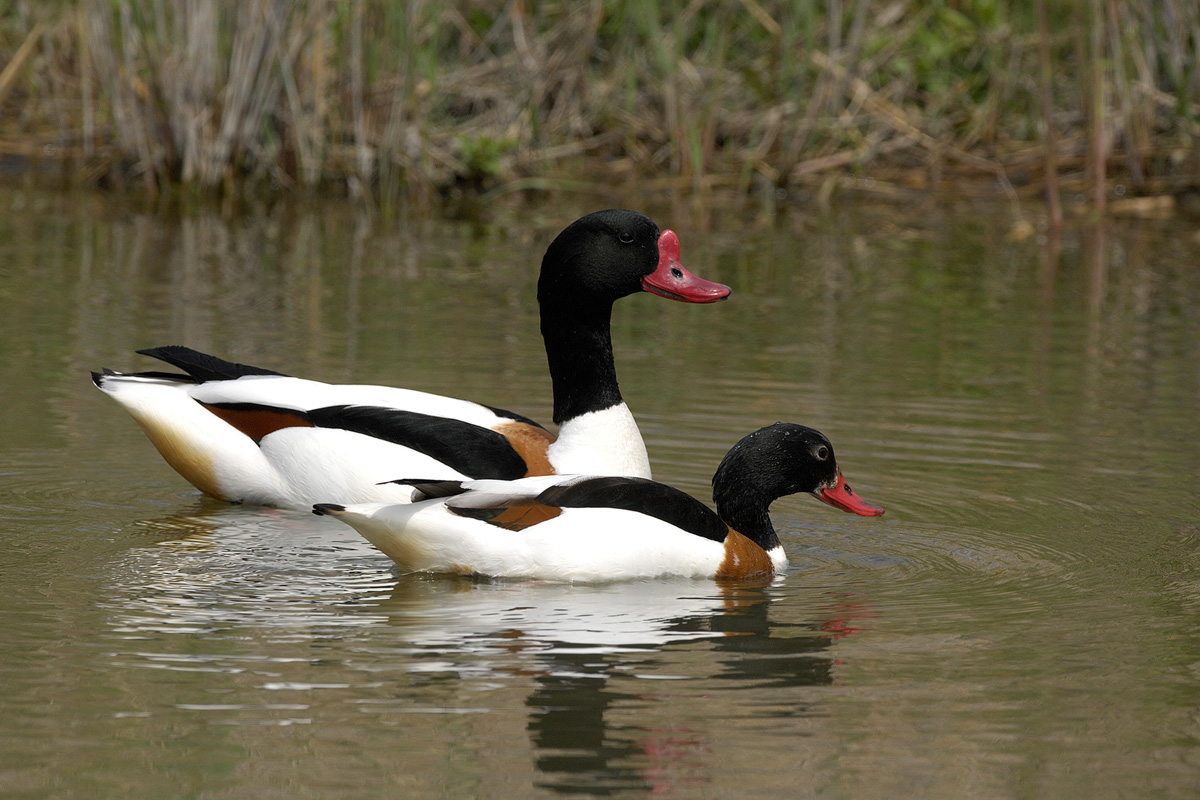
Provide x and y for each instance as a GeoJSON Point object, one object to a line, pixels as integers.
{"type": "Point", "coordinates": [235, 567]}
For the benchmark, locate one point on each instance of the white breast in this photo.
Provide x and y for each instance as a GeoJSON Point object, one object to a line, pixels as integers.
{"type": "Point", "coordinates": [604, 442]}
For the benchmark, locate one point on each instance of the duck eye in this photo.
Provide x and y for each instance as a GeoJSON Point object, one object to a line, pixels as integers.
{"type": "Point", "coordinates": [625, 236]}
{"type": "Point", "coordinates": [822, 453]}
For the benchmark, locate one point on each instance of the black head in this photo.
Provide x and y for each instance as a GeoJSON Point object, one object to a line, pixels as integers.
{"type": "Point", "coordinates": [779, 460]}
{"type": "Point", "coordinates": [610, 254]}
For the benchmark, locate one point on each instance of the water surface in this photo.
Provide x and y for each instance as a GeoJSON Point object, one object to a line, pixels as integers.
{"type": "Point", "coordinates": [1021, 623]}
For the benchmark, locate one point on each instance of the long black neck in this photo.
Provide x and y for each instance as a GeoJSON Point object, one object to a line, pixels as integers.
{"type": "Point", "coordinates": [748, 512]}
{"type": "Point", "coordinates": [579, 351]}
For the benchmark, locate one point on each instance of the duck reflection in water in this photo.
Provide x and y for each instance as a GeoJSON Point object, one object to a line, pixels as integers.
{"type": "Point", "coordinates": [588, 716]}
{"type": "Point", "coordinates": [617, 686]}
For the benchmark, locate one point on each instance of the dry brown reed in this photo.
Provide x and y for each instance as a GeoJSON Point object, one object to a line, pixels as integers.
{"type": "Point", "coordinates": [387, 99]}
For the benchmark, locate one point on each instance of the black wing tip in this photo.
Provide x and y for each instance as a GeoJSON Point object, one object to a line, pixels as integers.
{"type": "Point", "coordinates": [435, 489]}
{"type": "Point", "coordinates": [327, 509]}
{"type": "Point", "coordinates": [98, 378]}
{"type": "Point", "coordinates": [430, 489]}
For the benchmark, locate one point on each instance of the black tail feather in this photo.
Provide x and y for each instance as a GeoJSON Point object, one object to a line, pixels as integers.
{"type": "Point", "coordinates": [202, 366]}
{"type": "Point", "coordinates": [325, 509]}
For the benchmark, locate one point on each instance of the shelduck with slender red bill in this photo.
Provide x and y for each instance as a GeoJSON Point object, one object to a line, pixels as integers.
{"type": "Point", "coordinates": [246, 434]}
{"type": "Point", "coordinates": [607, 528]}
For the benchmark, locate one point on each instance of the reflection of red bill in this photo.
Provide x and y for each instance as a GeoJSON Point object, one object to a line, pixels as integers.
{"type": "Point", "coordinates": [672, 281]}
{"type": "Point", "coordinates": [843, 497]}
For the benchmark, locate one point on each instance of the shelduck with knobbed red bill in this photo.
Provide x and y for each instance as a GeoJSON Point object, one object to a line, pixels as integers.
{"type": "Point", "coordinates": [606, 528]}
{"type": "Point", "coordinates": [250, 435]}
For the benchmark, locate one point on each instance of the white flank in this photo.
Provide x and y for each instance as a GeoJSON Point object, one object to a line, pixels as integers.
{"type": "Point", "coordinates": [293, 467]}
{"type": "Point", "coordinates": [605, 442]}
{"type": "Point", "coordinates": [584, 545]}
{"type": "Point", "coordinates": [298, 466]}
{"type": "Point", "coordinates": [214, 456]}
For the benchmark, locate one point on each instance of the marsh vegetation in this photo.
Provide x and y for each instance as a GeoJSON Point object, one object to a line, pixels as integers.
{"type": "Point", "coordinates": [384, 100]}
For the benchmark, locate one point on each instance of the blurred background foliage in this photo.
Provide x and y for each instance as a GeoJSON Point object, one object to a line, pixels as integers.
{"type": "Point", "coordinates": [383, 100]}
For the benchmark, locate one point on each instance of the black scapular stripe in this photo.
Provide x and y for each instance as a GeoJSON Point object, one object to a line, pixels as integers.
{"type": "Point", "coordinates": [644, 496]}
{"type": "Point", "coordinates": [201, 366]}
{"type": "Point", "coordinates": [474, 451]}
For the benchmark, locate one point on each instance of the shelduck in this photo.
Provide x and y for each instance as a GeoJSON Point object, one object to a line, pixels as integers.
{"type": "Point", "coordinates": [250, 435]}
{"type": "Point", "coordinates": [607, 528]}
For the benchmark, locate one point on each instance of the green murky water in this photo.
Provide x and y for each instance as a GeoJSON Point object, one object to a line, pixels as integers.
{"type": "Point", "coordinates": [1022, 623]}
